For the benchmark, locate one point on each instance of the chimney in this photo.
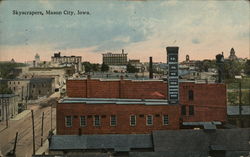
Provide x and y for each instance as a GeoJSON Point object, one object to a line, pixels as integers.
{"type": "Point", "coordinates": [150, 67]}
{"type": "Point", "coordinates": [122, 51]}
{"type": "Point", "coordinates": [220, 66]}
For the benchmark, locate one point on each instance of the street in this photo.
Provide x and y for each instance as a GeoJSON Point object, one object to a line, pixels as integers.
{"type": "Point", "coordinates": [23, 126]}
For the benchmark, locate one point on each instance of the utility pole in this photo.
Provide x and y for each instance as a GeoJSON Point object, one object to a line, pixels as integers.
{"type": "Point", "coordinates": [14, 149]}
{"type": "Point", "coordinates": [42, 130]}
{"type": "Point", "coordinates": [51, 117]}
{"type": "Point", "coordinates": [240, 104]}
{"type": "Point", "coordinates": [33, 132]}
{"type": "Point", "coordinates": [6, 109]}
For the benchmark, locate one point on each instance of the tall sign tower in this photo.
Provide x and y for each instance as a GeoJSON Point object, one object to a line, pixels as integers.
{"type": "Point", "coordinates": [173, 76]}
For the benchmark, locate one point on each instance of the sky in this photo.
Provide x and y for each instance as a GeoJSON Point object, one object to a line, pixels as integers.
{"type": "Point", "coordinates": [201, 29]}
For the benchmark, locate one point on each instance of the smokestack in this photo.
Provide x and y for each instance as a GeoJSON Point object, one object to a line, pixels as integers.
{"type": "Point", "coordinates": [220, 67]}
{"type": "Point", "coordinates": [122, 51]}
{"type": "Point", "coordinates": [151, 67]}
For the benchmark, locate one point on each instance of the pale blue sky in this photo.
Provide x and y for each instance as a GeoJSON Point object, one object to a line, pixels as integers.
{"type": "Point", "coordinates": [142, 28]}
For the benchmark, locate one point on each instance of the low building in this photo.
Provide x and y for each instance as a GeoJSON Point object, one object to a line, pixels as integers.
{"type": "Point", "coordinates": [169, 143]}
{"type": "Point", "coordinates": [115, 58]}
{"type": "Point", "coordinates": [31, 88]}
{"type": "Point", "coordinates": [116, 68]}
{"type": "Point", "coordinates": [8, 106]}
{"type": "Point", "coordinates": [115, 116]}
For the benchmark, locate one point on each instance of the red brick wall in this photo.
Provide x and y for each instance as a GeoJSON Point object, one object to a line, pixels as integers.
{"type": "Point", "coordinates": [209, 99]}
{"type": "Point", "coordinates": [92, 88]}
{"type": "Point", "coordinates": [122, 112]}
{"type": "Point", "coordinates": [209, 102]}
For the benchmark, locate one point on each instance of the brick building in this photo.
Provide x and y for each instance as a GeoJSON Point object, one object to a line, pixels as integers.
{"type": "Point", "coordinates": [92, 100]}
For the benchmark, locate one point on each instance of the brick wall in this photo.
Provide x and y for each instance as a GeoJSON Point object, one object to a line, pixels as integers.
{"type": "Point", "coordinates": [92, 88]}
{"type": "Point", "coordinates": [122, 113]}
{"type": "Point", "coordinates": [209, 100]}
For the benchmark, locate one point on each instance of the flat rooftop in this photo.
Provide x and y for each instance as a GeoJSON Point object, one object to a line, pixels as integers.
{"type": "Point", "coordinates": [114, 101]}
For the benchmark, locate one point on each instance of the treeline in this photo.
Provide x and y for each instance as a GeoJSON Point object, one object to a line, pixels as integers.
{"type": "Point", "coordinates": [231, 68]}
{"type": "Point", "coordinates": [95, 67]}
{"type": "Point", "coordinates": [8, 71]}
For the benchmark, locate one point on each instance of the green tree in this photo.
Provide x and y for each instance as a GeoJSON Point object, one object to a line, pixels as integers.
{"type": "Point", "coordinates": [231, 69]}
{"type": "Point", "coordinates": [4, 89]}
{"type": "Point", "coordinates": [104, 67]}
{"type": "Point", "coordinates": [96, 67]}
{"type": "Point", "coordinates": [7, 69]}
{"type": "Point", "coordinates": [247, 67]}
{"type": "Point", "coordinates": [131, 69]}
{"type": "Point", "coordinates": [87, 66]}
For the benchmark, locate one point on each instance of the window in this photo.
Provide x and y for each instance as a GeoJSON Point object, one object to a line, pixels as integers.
{"type": "Point", "coordinates": [83, 121]}
{"type": "Point", "coordinates": [113, 120]}
{"type": "Point", "coordinates": [133, 120]}
{"type": "Point", "coordinates": [97, 120]}
{"type": "Point", "coordinates": [191, 110]}
{"type": "Point", "coordinates": [149, 120]}
{"type": "Point", "coordinates": [183, 110]}
{"type": "Point", "coordinates": [165, 119]}
{"type": "Point", "coordinates": [68, 121]}
{"type": "Point", "coordinates": [190, 95]}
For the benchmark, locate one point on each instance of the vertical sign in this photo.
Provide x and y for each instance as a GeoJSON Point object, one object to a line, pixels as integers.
{"type": "Point", "coordinates": [173, 76]}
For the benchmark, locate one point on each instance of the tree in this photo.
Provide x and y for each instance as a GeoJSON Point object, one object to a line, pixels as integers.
{"type": "Point", "coordinates": [87, 66]}
{"type": "Point", "coordinates": [4, 89]}
{"type": "Point", "coordinates": [131, 69]}
{"type": "Point", "coordinates": [247, 67]}
{"type": "Point", "coordinates": [231, 69]}
{"type": "Point", "coordinates": [104, 67]}
{"type": "Point", "coordinates": [96, 67]}
{"type": "Point", "coordinates": [7, 70]}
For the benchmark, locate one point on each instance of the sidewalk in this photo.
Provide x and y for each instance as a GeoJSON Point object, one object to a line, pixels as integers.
{"type": "Point", "coordinates": [21, 115]}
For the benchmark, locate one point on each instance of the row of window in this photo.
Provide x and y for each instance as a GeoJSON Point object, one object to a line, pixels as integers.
{"type": "Point", "coordinates": [113, 120]}
{"type": "Point", "coordinates": [190, 110]}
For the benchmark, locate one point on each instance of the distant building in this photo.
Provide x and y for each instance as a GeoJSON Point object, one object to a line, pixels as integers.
{"type": "Point", "coordinates": [116, 68]}
{"type": "Point", "coordinates": [8, 106]}
{"type": "Point", "coordinates": [115, 58]}
{"type": "Point", "coordinates": [75, 61]}
{"type": "Point", "coordinates": [188, 64]}
{"type": "Point", "coordinates": [232, 55]}
{"type": "Point", "coordinates": [58, 73]}
{"type": "Point", "coordinates": [37, 60]}
{"type": "Point", "coordinates": [57, 58]}
{"type": "Point", "coordinates": [31, 88]}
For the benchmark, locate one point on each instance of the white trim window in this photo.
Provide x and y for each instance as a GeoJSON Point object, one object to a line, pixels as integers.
{"type": "Point", "coordinates": [68, 121]}
{"type": "Point", "coordinates": [165, 119]}
{"type": "Point", "coordinates": [149, 120]}
{"type": "Point", "coordinates": [113, 120]}
{"type": "Point", "coordinates": [83, 121]}
{"type": "Point", "coordinates": [133, 120]}
{"type": "Point", "coordinates": [97, 120]}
